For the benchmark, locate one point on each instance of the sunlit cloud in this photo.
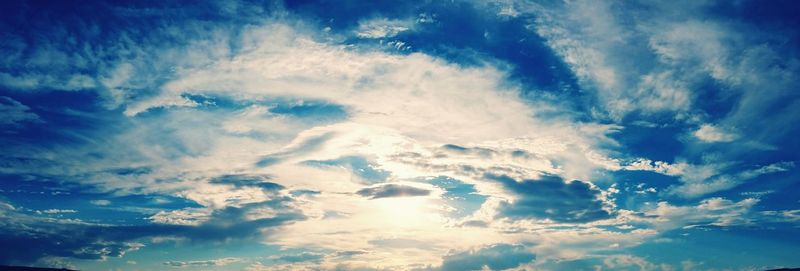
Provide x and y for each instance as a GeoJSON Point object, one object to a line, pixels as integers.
{"type": "Point", "coordinates": [510, 135]}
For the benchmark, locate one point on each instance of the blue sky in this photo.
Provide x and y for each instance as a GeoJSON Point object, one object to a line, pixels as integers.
{"type": "Point", "coordinates": [400, 135]}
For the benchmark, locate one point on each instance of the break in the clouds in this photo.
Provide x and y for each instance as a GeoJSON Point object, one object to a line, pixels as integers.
{"type": "Point", "coordinates": [460, 135]}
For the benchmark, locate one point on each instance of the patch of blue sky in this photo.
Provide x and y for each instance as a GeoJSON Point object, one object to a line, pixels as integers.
{"type": "Point", "coordinates": [657, 143]}
{"type": "Point", "coordinates": [312, 111]}
{"type": "Point", "coordinates": [63, 118]}
{"type": "Point", "coordinates": [639, 187]}
{"type": "Point", "coordinates": [755, 247]}
{"type": "Point", "coordinates": [459, 195]}
{"type": "Point", "coordinates": [775, 191]}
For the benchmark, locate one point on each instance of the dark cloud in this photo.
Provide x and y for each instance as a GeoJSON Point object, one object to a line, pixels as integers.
{"type": "Point", "coordinates": [392, 190]}
{"type": "Point", "coordinates": [304, 192]}
{"type": "Point", "coordinates": [551, 198]}
{"type": "Point", "coordinates": [495, 257]}
{"type": "Point", "coordinates": [260, 181]}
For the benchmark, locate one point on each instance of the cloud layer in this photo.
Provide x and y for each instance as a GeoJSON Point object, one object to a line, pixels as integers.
{"type": "Point", "coordinates": [521, 135]}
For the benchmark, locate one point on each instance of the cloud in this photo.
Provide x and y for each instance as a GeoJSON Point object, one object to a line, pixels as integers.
{"type": "Point", "coordinates": [31, 238]}
{"type": "Point", "coordinates": [549, 197]}
{"type": "Point", "coordinates": [651, 62]}
{"type": "Point", "coordinates": [14, 113]}
{"type": "Point", "coordinates": [392, 190]}
{"type": "Point", "coordinates": [696, 186]}
{"type": "Point", "coordinates": [699, 180]}
{"type": "Point", "coordinates": [494, 257]}
{"type": "Point", "coordinates": [302, 257]}
{"type": "Point", "coordinates": [382, 28]}
{"type": "Point", "coordinates": [247, 180]}
{"type": "Point", "coordinates": [226, 134]}
{"type": "Point", "coordinates": [100, 202]}
{"type": "Point", "coordinates": [630, 262]}
{"type": "Point", "coordinates": [711, 133]}
{"type": "Point", "coordinates": [709, 212]}
{"type": "Point", "coordinates": [57, 211]}
{"type": "Point", "coordinates": [215, 262]}
{"type": "Point", "coordinates": [302, 134]}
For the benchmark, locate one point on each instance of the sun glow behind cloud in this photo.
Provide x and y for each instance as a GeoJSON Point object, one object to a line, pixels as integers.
{"type": "Point", "coordinates": [408, 136]}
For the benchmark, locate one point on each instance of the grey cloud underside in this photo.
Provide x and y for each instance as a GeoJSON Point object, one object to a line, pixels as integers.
{"type": "Point", "coordinates": [240, 180]}
{"type": "Point", "coordinates": [551, 198]}
{"type": "Point", "coordinates": [392, 190]}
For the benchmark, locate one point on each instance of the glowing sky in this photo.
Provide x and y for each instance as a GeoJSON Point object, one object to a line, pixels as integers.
{"type": "Point", "coordinates": [400, 135]}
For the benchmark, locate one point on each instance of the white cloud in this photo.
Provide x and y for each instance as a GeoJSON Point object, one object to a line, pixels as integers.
{"type": "Point", "coordinates": [709, 212]}
{"type": "Point", "coordinates": [696, 187]}
{"type": "Point", "coordinates": [100, 202]}
{"type": "Point", "coordinates": [698, 180]}
{"type": "Point", "coordinates": [382, 28]}
{"type": "Point", "coordinates": [602, 52]}
{"type": "Point", "coordinates": [711, 133]}
{"type": "Point", "coordinates": [188, 216]}
{"type": "Point", "coordinates": [401, 111]}
{"type": "Point", "coordinates": [784, 215]}
{"type": "Point", "coordinates": [57, 211]}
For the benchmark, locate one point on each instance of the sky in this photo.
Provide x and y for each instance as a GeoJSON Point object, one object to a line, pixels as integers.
{"type": "Point", "coordinates": [400, 135]}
